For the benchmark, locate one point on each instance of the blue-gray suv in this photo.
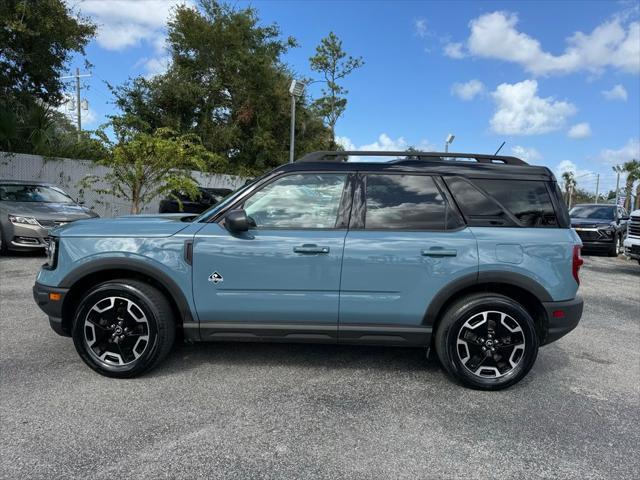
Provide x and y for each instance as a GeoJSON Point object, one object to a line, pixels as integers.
{"type": "Point", "coordinates": [470, 255]}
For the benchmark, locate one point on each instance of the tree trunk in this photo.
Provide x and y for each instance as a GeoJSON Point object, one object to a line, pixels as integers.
{"type": "Point", "coordinates": [628, 190]}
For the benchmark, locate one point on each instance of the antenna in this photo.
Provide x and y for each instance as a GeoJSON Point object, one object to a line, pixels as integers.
{"type": "Point", "coordinates": [500, 147]}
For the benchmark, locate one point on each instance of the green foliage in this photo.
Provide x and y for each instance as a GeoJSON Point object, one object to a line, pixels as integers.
{"type": "Point", "coordinates": [226, 84]}
{"type": "Point", "coordinates": [37, 39]}
{"type": "Point", "coordinates": [334, 64]}
{"type": "Point", "coordinates": [144, 165]}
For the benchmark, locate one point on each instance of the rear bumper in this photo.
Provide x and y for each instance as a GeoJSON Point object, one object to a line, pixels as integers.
{"type": "Point", "coordinates": [562, 317]}
{"type": "Point", "coordinates": [53, 308]}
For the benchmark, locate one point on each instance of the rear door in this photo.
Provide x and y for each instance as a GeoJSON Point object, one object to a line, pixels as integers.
{"type": "Point", "coordinates": [406, 242]}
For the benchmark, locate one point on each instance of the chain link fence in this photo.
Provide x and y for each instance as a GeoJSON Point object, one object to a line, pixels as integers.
{"type": "Point", "coordinates": [68, 173]}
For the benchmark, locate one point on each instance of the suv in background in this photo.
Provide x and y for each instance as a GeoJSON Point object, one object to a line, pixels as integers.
{"type": "Point", "coordinates": [208, 197]}
{"type": "Point", "coordinates": [601, 228]}
{"type": "Point", "coordinates": [28, 210]}
{"type": "Point", "coordinates": [632, 242]}
{"type": "Point", "coordinates": [472, 255]}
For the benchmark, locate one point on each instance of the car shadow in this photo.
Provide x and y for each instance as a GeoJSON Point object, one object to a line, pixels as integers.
{"type": "Point", "coordinates": [186, 356]}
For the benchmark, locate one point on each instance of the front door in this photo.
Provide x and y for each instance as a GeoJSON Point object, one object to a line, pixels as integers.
{"type": "Point", "coordinates": [281, 279]}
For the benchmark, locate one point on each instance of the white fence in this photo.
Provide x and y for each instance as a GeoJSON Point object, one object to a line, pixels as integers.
{"type": "Point", "coordinates": [67, 173]}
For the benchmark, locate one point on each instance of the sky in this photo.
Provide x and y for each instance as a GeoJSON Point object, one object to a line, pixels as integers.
{"type": "Point", "coordinates": [558, 81]}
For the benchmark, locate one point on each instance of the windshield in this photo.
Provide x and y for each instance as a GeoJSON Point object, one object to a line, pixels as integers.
{"type": "Point", "coordinates": [33, 193]}
{"type": "Point", "coordinates": [592, 211]}
{"type": "Point", "coordinates": [228, 199]}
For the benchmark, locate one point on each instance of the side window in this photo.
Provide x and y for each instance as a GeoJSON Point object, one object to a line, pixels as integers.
{"type": "Point", "coordinates": [309, 200]}
{"type": "Point", "coordinates": [527, 200]}
{"type": "Point", "coordinates": [479, 210]}
{"type": "Point", "coordinates": [404, 202]}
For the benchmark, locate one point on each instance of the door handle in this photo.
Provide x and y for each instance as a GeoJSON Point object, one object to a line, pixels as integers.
{"type": "Point", "coordinates": [310, 249]}
{"type": "Point", "coordinates": [439, 252]}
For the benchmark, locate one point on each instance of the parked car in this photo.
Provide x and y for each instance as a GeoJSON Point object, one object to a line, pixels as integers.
{"type": "Point", "coordinates": [601, 228]}
{"type": "Point", "coordinates": [29, 210]}
{"type": "Point", "coordinates": [632, 242]}
{"type": "Point", "coordinates": [208, 197]}
{"type": "Point", "coordinates": [476, 260]}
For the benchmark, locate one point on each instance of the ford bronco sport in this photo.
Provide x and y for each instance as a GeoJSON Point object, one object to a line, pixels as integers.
{"type": "Point", "coordinates": [471, 255]}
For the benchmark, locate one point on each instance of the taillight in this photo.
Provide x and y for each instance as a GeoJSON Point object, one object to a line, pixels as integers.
{"type": "Point", "coordinates": [577, 262]}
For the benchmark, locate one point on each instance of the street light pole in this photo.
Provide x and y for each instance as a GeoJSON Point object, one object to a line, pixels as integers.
{"type": "Point", "coordinates": [448, 141]}
{"type": "Point", "coordinates": [295, 90]}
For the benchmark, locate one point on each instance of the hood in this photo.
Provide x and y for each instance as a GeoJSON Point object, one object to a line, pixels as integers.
{"type": "Point", "coordinates": [67, 212]}
{"type": "Point", "coordinates": [129, 226]}
{"type": "Point", "coordinates": [593, 222]}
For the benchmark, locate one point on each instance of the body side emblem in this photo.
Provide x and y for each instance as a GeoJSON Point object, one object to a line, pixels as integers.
{"type": "Point", "coordinates": [215, 277]}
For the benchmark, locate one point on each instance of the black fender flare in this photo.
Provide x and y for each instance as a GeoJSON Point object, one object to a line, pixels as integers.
{"type": "Point", "coordinates": [134, 266]}
{"type": "Point", "coordinates": [479, 279]}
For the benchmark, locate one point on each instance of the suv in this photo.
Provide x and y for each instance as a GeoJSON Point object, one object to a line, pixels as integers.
{"type": "Point", "coordinates": [632, 243]}
{"type": "Point", "coordinates": [474, 258]}
{"type": "Point", "coordinates": [601, 228]}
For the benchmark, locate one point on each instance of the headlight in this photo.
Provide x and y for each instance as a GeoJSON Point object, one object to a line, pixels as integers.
{"type": "Point", "coordinates": [17, 219]}
{"type": "Point", "coordinates": [52, 253]}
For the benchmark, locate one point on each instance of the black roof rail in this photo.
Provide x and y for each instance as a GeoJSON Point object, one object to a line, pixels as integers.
{"type": "Point", "coordinates": [412, 156]}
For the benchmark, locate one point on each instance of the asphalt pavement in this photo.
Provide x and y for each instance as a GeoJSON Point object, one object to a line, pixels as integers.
{"type": "Point", "coordinates": [244, 411]}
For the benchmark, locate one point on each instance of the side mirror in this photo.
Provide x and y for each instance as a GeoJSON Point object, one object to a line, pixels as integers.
{"type": "Point", "coordinates": [237, 221]}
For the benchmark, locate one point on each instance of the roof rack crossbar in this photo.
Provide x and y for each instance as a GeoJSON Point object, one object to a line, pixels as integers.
{"type": "Point", "coordinates": [336, 156]}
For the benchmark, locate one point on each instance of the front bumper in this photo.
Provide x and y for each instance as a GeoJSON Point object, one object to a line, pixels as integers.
{"type": "Point", "coordinates": [562, 317]}
{"type": "Point", "coordinates": [632, 248]}
{"type": "Point", "coordinates": [27, 237]}
{"type": "Point", "coordinates": [47, 302]}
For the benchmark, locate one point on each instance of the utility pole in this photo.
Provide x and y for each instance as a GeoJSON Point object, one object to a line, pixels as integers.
{"type": "Point", "coordinates": [295, 90]}
{"type": "Point", "coordinates": [77, 77]}
{"type": "Point", "coordinates": [597, 186]}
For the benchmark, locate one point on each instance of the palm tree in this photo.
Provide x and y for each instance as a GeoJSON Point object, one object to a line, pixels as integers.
{"type": "Point", "coordinates": [633, 173]}
{"type": "Point", "coordinates": [570, 184]}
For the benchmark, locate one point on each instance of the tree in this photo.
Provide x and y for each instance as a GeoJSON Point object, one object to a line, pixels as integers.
{"type": "Point", "coordinates": [37, 40]}
{"type": "Point", "coordinates": [632, 168]}
{"type": "Point", "coordinates": [144, 166]}
{"type": "Point", "coordinates": [228, 85]}
{"type": "Point", "coordinates": [570, 184]}
{"type": "Point", "coordinates": [334, 64]}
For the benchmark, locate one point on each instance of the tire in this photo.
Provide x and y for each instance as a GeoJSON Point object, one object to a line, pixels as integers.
{"type": "Point", "coordinates": [123, 328]}
{"type": "Point", "coordinates": [3, 244]}
{"type": "Point", "coordinates": [513, 338]}
{"type": "Point", "coordinates": [615, 249]}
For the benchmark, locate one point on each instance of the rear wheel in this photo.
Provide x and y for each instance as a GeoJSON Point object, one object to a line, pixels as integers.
{"type": "Point", "coordinates": [123, 328]}
{"type": "Point", "coordinates": [487, 341]}
{"type": "Point", "coordinates": [3, 243]}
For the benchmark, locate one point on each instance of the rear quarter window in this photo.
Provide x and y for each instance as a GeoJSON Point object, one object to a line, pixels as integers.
{"type": "Point", "coordinates": [500, 202]}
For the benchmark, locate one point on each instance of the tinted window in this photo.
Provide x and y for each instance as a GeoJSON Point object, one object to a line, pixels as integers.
{"type": "Point", "coordinates": [593, 211]}
{"type": "Point", "coordinates": [298, 201]}
{"type": "Point", "coordinates": [528, 201]}
{"type": "Point", "coordinates": [404, 202]}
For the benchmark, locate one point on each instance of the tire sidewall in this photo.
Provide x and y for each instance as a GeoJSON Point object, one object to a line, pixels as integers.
{"type": "Point", "coordinates": [459, 315]}
{"type": "Point", "coordinates": [143, 302]}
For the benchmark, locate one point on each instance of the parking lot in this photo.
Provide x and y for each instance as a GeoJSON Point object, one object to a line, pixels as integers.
{"type": "Point", "coordinates": [312, 411]}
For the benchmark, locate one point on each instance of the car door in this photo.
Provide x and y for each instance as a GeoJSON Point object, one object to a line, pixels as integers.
{"type": "Point", "coordinates": [405, 244]}
{"type": "Point", "coordinates": [281, 278]}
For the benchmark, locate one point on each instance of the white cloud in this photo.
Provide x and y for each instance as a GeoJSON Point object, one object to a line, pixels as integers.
{"type": "Point", "coordinates": [384, 143]}
{"type": "Point", "coordinates": [421, 27]}
{"type": "Point", "coordinates": [580, 130]}
{"type": "Point", "coordinates": [468, 90]}
{"type": "Point", "coordinates": [569, 166]}
{"type": "Point", "coordinates": [454, 50]}
{"type": "Point", "coordinates": [614, 43]}
{"type": "Point", "coordinates": [527, 154]}
{"type": "Point", "coordinates": [155, 65]}
{"type": "Point", "coordinates": [126, 23]}
{"type": "Point", "coordinates": [627, 152]}
{"type": "Point", "coordinates": [618, 92]}
{"type": "Point", "coordinates": [519, 111]}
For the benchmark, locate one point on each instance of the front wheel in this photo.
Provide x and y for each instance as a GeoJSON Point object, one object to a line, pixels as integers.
{"type": "Point", "coordinates": [617, 247]}
{"type": "Point", "coordinates": [487, 341]}
{"type": "Point", "coordinates": [123, 328]}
